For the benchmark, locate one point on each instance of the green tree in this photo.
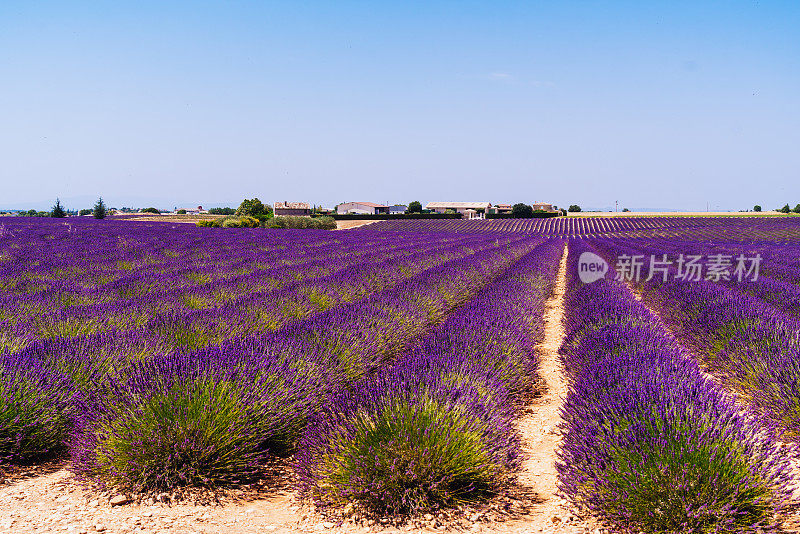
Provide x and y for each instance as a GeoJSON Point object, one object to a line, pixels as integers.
{"type": "Point", "coordinates": [85, 211]}
{"type": "Point", "coordinates": [521, 211]}
{"type": "Point", "coordinates": [625, 210]}
{"type": "Point", "coordinates": [756, 208]}
{"type": "Point", "coordinates": [785, 209]}
{"type": "Point", "coordinates": [222, 211]}
{"type": "Point", "coordinates": [99, 211]}
{"type": "Point", "coordinates": [574, 208]}
{"type": "Point", "coordinates": [151, 210]}
{"type": "Point", "coordinates": [58, 210]}
{"type": "Point", "coordinates": [253, 208]}
{"type": "Point", "coordinates": [796, 209]}
{"type": "Point", "coordinates": [415, 207]}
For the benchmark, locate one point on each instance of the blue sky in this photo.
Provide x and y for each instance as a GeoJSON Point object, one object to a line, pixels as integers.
{"type": "Point", "coordinates": [656, 104]}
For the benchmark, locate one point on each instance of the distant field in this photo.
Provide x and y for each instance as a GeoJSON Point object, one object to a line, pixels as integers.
{"type": "Point", "coordinates": [681, 214]}
{"type": "Point", "coordinates": [741, 228]}
{"type": "Point", "coordinates": [192, 219]}
{"type": "Point", "coordinates": [167, 218]}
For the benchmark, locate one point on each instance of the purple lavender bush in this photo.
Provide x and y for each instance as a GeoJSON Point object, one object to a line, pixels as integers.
{"type": "Point", "coordinates": [741, 330]}
{"type": "Point", "coordinates": [650, 443]}
{"type": "Point", "coordinates": [208, 419]}
{"type": "Point", "coordinates": [404, 443]}
{"type": "Point", "coordinates": [38, 409]}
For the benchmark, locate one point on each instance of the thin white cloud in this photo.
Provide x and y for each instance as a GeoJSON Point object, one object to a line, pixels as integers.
{"type": "Point", "coordinates": [502, 76]}
{"type": "Point", "coordinates": [507, 77]}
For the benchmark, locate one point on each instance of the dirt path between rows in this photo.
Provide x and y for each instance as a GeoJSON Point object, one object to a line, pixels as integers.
{"type": "Point", "coordinates": [541, 433]}
{"type": "Point", "coordinates": [540, 427]}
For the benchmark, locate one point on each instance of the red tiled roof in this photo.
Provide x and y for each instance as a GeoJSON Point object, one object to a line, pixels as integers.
{"type": "Point", "coordinates": [292, 206]}
{"type": "Point", "coordinates": [370, 204]}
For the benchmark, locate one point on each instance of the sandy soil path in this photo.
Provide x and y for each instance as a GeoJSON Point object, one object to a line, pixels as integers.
{"type": "Point", "coordinates": [49, 500]}
{"type": "Point", "coordinates": [347, 225]}
{"type": "Point", "coordinates": [539, 428]}
{"type": "Point", "coordinates": [541, 435]}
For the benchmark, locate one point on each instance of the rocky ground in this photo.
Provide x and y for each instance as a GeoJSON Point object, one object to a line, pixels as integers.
{"type": "Point", "coordinates": [47, 499]}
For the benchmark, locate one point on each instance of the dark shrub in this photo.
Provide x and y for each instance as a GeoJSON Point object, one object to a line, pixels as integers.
{"type": "Point", "coordinates": [325, 223]}
{"type": "Point", "coordinates": [100, 210]}
{"type": "Point", "coordinates": [58, 210]}
{"type": "Point", "coordinates": [244, 221]}
{"type": "Point", "coordinates": [317, 223]}
{"type": "Point", "coordinates": [521, 211]}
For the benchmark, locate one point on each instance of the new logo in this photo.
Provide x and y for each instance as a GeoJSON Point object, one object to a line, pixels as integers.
{"type": "Point", "coordinates": [591, 267]}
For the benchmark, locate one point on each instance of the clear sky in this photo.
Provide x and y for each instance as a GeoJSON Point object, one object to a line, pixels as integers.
{"type": "Point", "coordinates": [656, 104]}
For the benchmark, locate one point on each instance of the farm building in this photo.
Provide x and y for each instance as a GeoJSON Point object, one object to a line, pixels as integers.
{"type": "Point", "coordinates": [398, 208]}
{"type": "Point", "coordinates": [196, 211]}
{"type": "Point", "coordinates": [500, 208]}
{"type": "Point", "coordinates": [291, 208]}
{"type": "Point", "coordinates": [472, 210]}
{"type": "Point", "coordinates": [543, 206]}
{"type": "Point", "coordinates": [361, 208]}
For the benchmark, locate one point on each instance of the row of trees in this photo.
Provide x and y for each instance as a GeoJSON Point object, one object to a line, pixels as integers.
{"type": "Point", "coordinates": [99, 211]}
{"type": "Point", "coordinates": [258, 210]}
{"type": "Point", "coordinates": [251, 208]}
{"type": "Point", "coordinates": [519, 211]}
{"type": "Point", "coordinates": [785, 209]}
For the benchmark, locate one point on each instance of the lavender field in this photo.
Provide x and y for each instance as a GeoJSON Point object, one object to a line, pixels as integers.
{"type": "Point", "coordinates": [389, 368]}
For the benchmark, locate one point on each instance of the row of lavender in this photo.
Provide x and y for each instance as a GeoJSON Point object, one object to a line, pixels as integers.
{"type": "Point", "coordinates": [272, 289]}
{"type": "Point", "coordinates": [747, 332]}
{"type": "Point", "coordinates": [734, 228]}
{"type": "Point", "coordinates": [436, 427]}
{"type": "Point", "coordinates": [213, 415]}
{"type": "Point", "coordinates": [161, 328]}
{"type": "Point", "coordinates": [650, 442]}
{"type": "Point", "coordinates": [112, 350]}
